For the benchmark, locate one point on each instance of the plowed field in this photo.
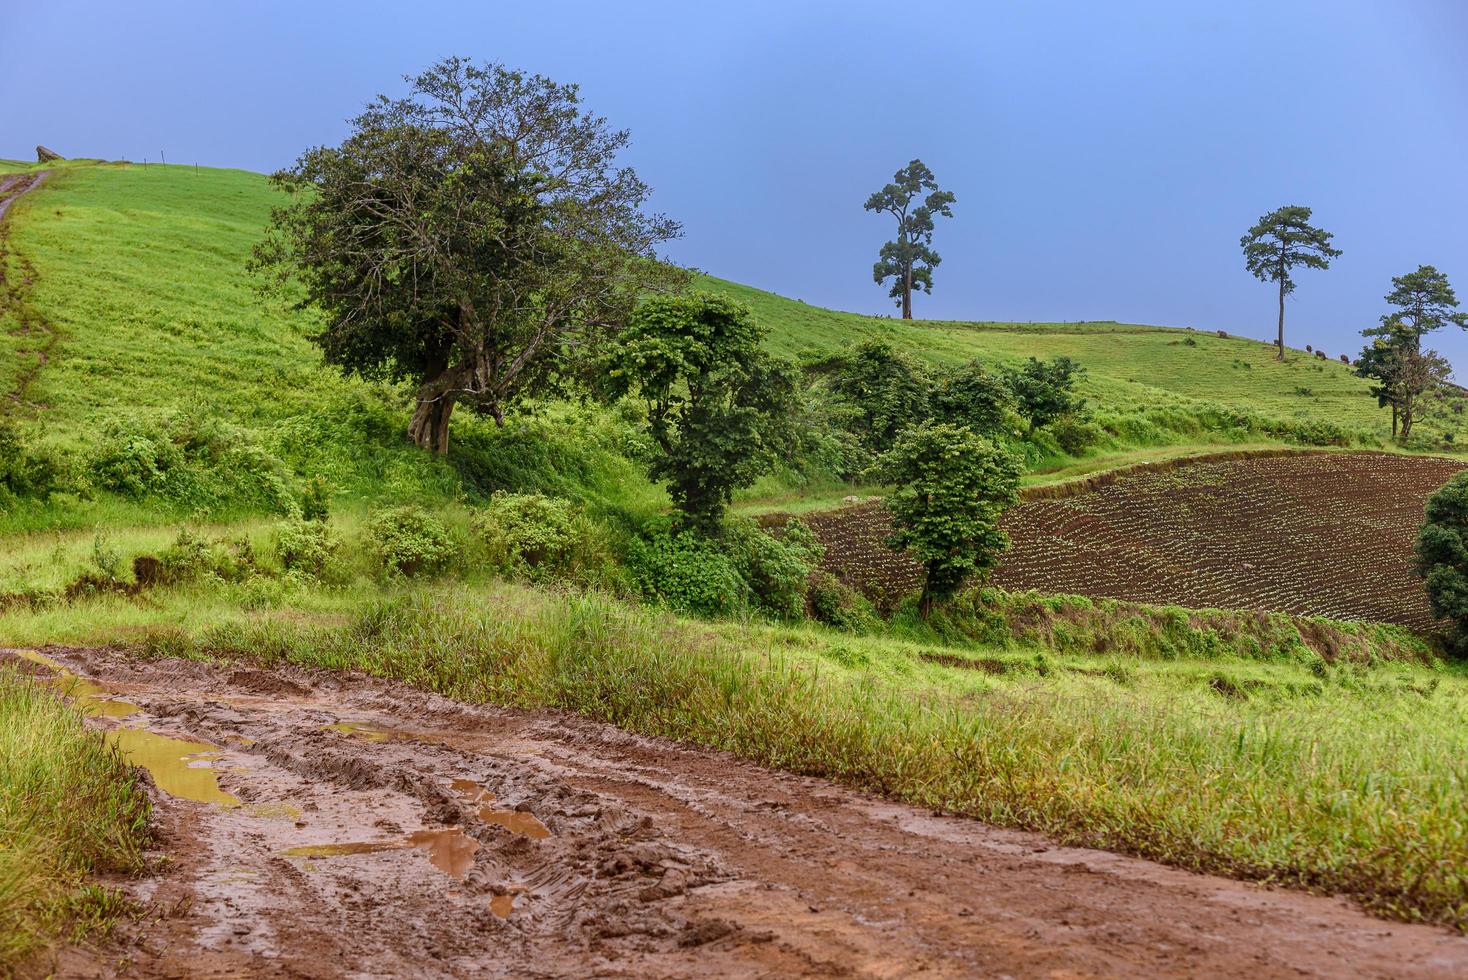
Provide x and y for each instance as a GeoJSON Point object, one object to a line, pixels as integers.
{"type": "Point", "coordinates": [1324, 534]}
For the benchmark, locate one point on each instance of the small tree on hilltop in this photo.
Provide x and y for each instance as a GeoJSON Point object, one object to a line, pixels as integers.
{"type": "Point", "coordinates": [470, 239]}
{"type": "Point", "coordinates": [719, 409]}
{"type": "Point", "coordinates": [951, 488]}
{"type": "Point", "coordinates": [909, 259]}
{"type": "Point", "coordinates": [1442, 556]}
{"type": "Point", "coordinates": [1282, 240]}
{"type": "Point", "coordinates": [1045, 390]}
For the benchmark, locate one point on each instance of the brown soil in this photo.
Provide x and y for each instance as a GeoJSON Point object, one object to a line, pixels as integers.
{"type": "Point", "coordinates": [1306, 533]}
{"type": "Point", "coordinates": [359, 828]}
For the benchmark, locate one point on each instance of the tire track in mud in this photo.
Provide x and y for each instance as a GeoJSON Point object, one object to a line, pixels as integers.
{"type": "Point", "coordinates": [17, 276]}
{"type": "Point", "coordinates": [361, 828]}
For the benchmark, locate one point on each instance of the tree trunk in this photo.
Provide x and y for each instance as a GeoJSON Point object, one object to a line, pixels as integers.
{"type": "Point", "coordinates": [429, 427]}
{"type": "Point", "coordinates": [925, 601]}
{"type": "Point", "coordinates": [1394, 420]}
{"type": "Point", "coordinates": [1406, 417]}
{"type": "Point", "coordinates": [1281, 316]}
{"type": "Point", "coordinates": [907, 294]}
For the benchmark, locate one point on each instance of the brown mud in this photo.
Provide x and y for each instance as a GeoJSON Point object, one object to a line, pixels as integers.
{"type": "Point", "coordinates": [363, 828]}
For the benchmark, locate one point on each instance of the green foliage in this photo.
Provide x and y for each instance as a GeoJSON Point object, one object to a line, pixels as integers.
{"type": "Point", "coordinates": [436, 215]}
{"type": "Point", "coordinates": [26, 471]}
{"type": "Point", "coordinates": [719, 410]}
{"type": "Point", "coordinates": [193, 557]}
{"type": "Point", "coordinates": [687, 571]}
{"type": "Point", "coordinates": [838, 605]}
{"type": "Point", "coordinates": [547, 539]}
{"type": "Point", "coordinates": [409, 541]}
{"type": "Point", "coordinates": [775, 568]}
{"type": "Point", "coordinates": [952, 486]}
{"type": "Point", "coordinates": [974, 396]}
{"type": "Point", "coordinates": [883, 391]}
{"type": "Point", "coordinates": [1442, 556]}
{"type": "Point", "coordinates": [70, 808]}
{"type": "Point", "coordinates": [909, 259]}
{"type": "Point", "coordinates": [316, 500]}
{"type": "Point", "coordinates": [1046, 390]}
{"type": "Point", "coordinates": [307, 547]}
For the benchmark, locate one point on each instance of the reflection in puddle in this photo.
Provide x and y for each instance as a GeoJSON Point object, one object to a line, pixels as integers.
{"type": "Point", "coordinates": [179, 767]}
{"type": "Point", "coordinates": [518, 821]}
{"type": "Point", "coordinates": [362, 729]}
{"type": "Point", "coordinates": [91, 697]}
{"type": "Point", "coordinates": [449, 850]}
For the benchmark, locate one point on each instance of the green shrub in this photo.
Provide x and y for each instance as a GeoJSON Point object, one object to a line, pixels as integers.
{"type": "Point", "coordinates": [306, 547]}
{"type": "Point", "coordinates": [409, 541]}
{"type": "Point", "coordinates": [528, 535]}
{"type": "Point", "coordinates": [776, 570]}
{"type": "Point", "coordinates": [831, 601]}
{"type": "Point", "coordinates": [133, 458]}
{"type": "Point", "coordinates": [316, 500]}
{"type": "Point", "coordinates": [191, 558]}
{"type": "Point", "coordinates": [1076, 435]}
{"type": "Point", "coordinates": [688, 572]}
{"type": "Point", "coordinates": [24, 470]}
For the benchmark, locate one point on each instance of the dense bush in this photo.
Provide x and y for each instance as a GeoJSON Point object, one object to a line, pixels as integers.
{"type": "Point", "coordinates": [776, 569]}
{"type": "Point", "coordinates": [1076, 435]}
{"type": "Point", "coordinates": [192, 557]}
{"type": "Point", "coordinates": [884, 391]}
{"type": "Point", "coordinates": [688, 572]}
{"type": "Point", "coordinates": [1442, 556]}
{"type": "Point", "coordinates": [540, 538]}
{"type": "Point", "coordinates": [306, 548]}
{"type": "Point", "coordinates": [24, 470]}
{"type": "Point", "coordinates": [408, 541]}
{"type": "Point", "coordinates": [829, 600]}
{"type": "Point", "coordinates": [1045, 390]}
{"type": "Point", "coordinates": [976, 397]}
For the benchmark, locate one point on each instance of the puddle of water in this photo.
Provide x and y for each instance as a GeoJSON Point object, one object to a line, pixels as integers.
{"type": "Point", "coordinates": [274, 811]}
{"type": "Point", "coordinates": [362, 729]}
{"type": "Point", "coordinates": [179, 767]}
{"type": "Point", "coordinates": [91, 697]}
{"type": "Point", "coordinates": [517, 821]}
{"type": "Point", "coordinates": [502, 905]}
{"type": "Point", "coordinates": [449, 850]}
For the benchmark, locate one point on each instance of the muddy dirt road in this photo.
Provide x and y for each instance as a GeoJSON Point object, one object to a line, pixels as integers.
{"type": "Point", "coordinates": [323, 825]}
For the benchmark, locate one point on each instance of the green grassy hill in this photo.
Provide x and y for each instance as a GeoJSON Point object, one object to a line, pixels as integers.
{"type": "Point", "coordinates": [139, 272]}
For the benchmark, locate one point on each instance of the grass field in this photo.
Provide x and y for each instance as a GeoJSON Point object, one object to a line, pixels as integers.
{"type": "Point", "coordinates": [68, 807]}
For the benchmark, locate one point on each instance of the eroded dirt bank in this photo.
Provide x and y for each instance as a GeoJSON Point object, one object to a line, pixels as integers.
{"type": "Point", "coordinates": [335, 825]}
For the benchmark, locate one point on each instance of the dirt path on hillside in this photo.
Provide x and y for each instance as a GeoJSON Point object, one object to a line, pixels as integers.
{"type": "Point", "coordinates": [336, 825]}
{"type": "Point", "coordinates": [17, 275]}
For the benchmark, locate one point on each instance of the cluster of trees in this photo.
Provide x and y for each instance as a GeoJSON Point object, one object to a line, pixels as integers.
{"type": "Point", "coordinates": [477, 239]}
{"type": "Point", "coordinates": [1406, 376]}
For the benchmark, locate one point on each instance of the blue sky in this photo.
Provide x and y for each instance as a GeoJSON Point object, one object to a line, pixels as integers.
{"type": "Point", "coordinates": [1106, 156]}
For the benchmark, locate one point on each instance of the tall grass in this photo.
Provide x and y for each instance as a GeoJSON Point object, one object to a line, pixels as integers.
{"type": "Point", "coordinates": [1346, 779]}
{"type": "Point", "coordinates": [69, 806]}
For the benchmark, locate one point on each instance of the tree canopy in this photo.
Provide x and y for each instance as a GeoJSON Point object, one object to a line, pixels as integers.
{"type": "Point", "coordinates": [909, 259]}
{"type": "Point", "coordinates": [470, 238]}
{"type": "Point", "coordinates": [1424, 301]}
{"type": "Point", "coordinates": [951, 488]}
{"type": "Point", "coordinates": [719, 409]}
{"type": "Point", "coordinates": [1045, 390]}
{"type": "Point", "coordinates": [1282, 240]}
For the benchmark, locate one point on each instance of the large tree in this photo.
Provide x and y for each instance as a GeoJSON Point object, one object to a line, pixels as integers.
{"type": "Point", "coordinates": [1282, 240]}
{"type": "Point", "coordinates": [469, 238]}
{"type": "Point", "coordinates": [1404, 373]}
{"type": "Point", "coordinates": [720, 410]}
{"type": "Point", "coordinates": [909, 259]}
